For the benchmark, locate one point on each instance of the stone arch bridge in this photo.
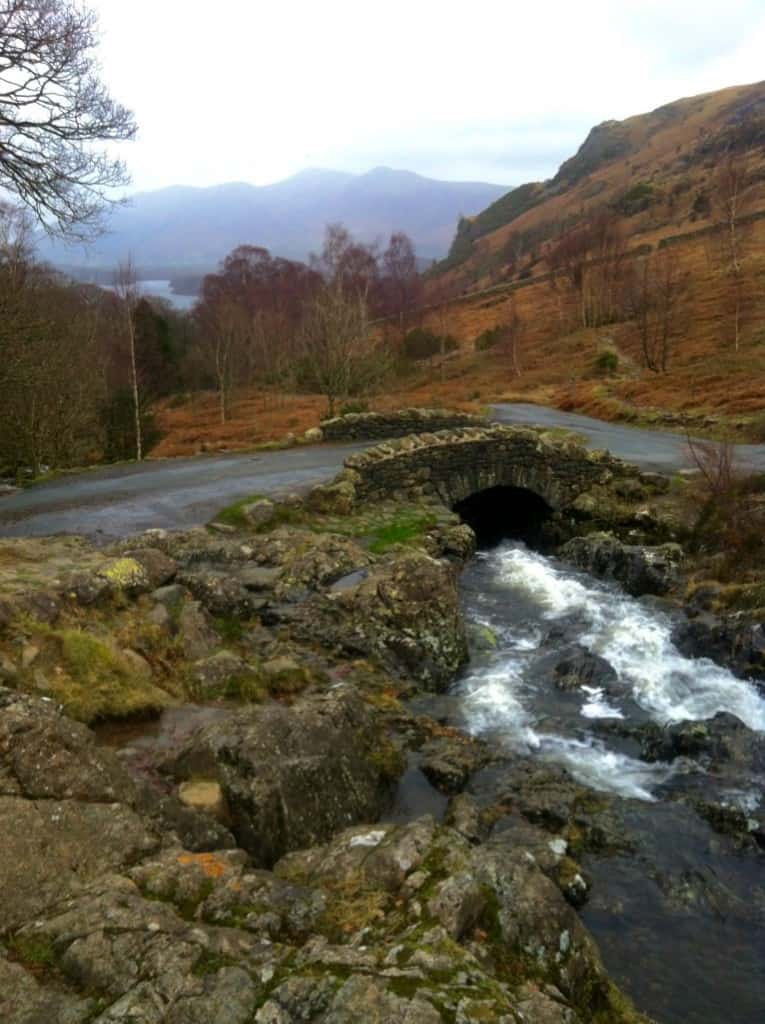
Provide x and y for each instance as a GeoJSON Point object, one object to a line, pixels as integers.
{"type": "Point", "coordinates": [453, 465]}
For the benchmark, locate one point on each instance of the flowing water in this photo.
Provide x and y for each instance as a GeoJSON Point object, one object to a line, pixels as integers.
{"type": "Point", "coordinates": [681, 920]}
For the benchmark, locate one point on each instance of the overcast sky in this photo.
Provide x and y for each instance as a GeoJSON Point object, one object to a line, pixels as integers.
{"type": "Point", "coordinates": [493, 90]}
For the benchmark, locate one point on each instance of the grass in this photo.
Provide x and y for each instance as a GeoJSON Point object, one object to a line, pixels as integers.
{"type": "Point", "coordinates": [96, 682]}
{"type": "Point", "coordinates": [234, 514]}
{"type": "Point", "coordinates": [407, 530]}
{"type": "Point", "coordinates": [34, 951]}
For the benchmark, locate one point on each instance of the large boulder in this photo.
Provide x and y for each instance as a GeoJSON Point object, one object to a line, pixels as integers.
{"type": "Point", "coordinates": [578, 667]}
{"type": "Point", "coordinates": [720, 743]}
{"type": "Point", "coordinates": [67, 808]}
{"type": "Point", "coordinates": [291, 776]}
{"type": "Point", "coordinates": [736, 641]}
{"type": "Point", "coordinates": [640, 570]}
{"type": "Point", "coordinates": [405, 614]}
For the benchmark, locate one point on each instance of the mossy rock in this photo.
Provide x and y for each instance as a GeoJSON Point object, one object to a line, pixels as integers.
{"type": "Point", "coordinates": [92, 680]}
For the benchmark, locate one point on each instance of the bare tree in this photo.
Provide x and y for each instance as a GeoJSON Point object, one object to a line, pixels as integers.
{"type": "Point", "coordinates": [53, 107]}
{"type": "Point", "coordinates": [341, 356]}
{"type": "Point", "coordinates": [728, 204]}
{"type": "Point", "coordinates": [347, 263]}
{"type": "Point", "coordinates": [511, 338]}
{"type": "Point", "coordinates": [402, 284]}
{"type": "Point", "coordinates": [590, 259]}
{"type": "Point", "coordinates": [656, 297]}
{"type": "Point", "coordinates": [126, 288]}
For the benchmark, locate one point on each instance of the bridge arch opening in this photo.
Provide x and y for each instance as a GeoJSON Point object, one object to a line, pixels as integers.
{"type": "Point", "coordinates": [504, 513]}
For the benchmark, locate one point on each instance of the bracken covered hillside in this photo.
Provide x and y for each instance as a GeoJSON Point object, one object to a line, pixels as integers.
{"type": "Point", "coordinates": [654, 170]}
{"type": "Point", "coordinates": [651, 235]}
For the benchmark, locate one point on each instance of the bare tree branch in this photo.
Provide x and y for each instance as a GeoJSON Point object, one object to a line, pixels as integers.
{"type": "Point", "coordinates": [53, 107]}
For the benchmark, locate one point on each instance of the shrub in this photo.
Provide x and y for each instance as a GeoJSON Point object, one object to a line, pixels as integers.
{"type": "Point", "coordinates": [422, 343]}
{"type": "Point", "coordinates": [607, 363]}
{"type": "Point", "coordinates": [636, 199]}
{"type": "Point", "coordinates": [348, 408]}
{"type": "Point", "coordinates": [489, 338]}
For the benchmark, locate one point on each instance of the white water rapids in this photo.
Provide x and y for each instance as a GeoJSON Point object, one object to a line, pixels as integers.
{"type": "Point", "coordinates": [501, 698]}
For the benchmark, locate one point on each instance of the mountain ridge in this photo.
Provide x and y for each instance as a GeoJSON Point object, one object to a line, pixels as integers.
{"type": "Point", "coordinates": [650, 169]}
{"type": "Point", "coordinates": [196, 226]}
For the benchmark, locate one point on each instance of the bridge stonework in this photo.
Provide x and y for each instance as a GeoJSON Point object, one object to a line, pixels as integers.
{"type": "Point", "coordinates": [450, 465]}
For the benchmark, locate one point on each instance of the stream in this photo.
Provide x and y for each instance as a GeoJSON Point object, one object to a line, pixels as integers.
{"type": "Point", "coordinates": [680, 917]}
{"type": "Point", "coordinates": [677, 908]}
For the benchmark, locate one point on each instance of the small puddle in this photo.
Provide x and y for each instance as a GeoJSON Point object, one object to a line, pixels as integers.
{"type": "Point", "coordinates": [143, 744]}
{"type": "Point", "coordinates": [172, 727]}
{"type": "Point", "coordinates": [415, 796]}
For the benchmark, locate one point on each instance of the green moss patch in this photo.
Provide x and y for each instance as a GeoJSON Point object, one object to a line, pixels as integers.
{"type": "Point", "coordinates": [93, 681]}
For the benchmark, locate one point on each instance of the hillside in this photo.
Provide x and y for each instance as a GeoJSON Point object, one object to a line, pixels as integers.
{"type": "Point", "coordinates": [194, 228]}
{"type": "Point", "coordinates": [653, 170]}
{"type": "Point", "coordinates": [657, 177]}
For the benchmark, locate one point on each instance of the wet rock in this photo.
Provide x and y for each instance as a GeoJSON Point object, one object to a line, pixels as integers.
{"type": "Point", "coordinates": [24, 1001]}
{"type": "Point", "coordinates": [449, 761]}
{"type": "Point", "coordinates": [721, 743]}
{"type": "Point", "coordinates": [259, 577]}
{"type": "Point", "coordinates": [213, 677]}
{"type": "Point", "coordinates": [405, 615]}
{"type": "Point", "coordinates": [196, 635]}
{"type": "Point", "coordinates": [465, 816]}
{"type": "Point", "coordinates": [42, 606]}
{"type": "Point", "coordinates": [293, 775]}
{"type": "Point", "coordinates": [88, 589]}
{"type": "Point", "coordinates": [260, 513]}
{"type": "Point", "coordinates": [66, 808]}
{"type": "Point", "coordinates": [547, 796]}
{"type": "Point", "coordinates": [580, 667]}
{"type": "Point", "coordinates": [640, 570]}
{"type": "Point", "coordinates": [736, 641]}
{"type": "Point", "coordinates": [746, 826]}
{"type": "Point", "coordinates": [221, 593]}
{"type": "Point", "coordinates": [159, 568]}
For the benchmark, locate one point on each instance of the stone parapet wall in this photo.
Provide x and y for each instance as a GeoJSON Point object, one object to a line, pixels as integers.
{"type": "Point", "coordinates": [374, 426]}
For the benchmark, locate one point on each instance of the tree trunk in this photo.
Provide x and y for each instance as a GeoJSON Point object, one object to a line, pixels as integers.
{"type": "Point", "coordinates": [136, 396]}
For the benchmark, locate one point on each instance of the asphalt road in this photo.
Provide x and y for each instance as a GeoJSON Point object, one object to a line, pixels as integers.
{"type": "Point", "coordinates": [169, 493]}
{"type": "Point", "coordinates": [176, 493]}
{"type": "Point", "coordinates": [656, 450]}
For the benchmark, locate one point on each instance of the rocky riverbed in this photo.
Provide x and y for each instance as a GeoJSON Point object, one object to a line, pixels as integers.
{"type": "Point", "coordinates": [260, 775]}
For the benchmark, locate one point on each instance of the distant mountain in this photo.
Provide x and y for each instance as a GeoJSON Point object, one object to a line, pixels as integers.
{"type": "Point", "coordinates": [194, 228]}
